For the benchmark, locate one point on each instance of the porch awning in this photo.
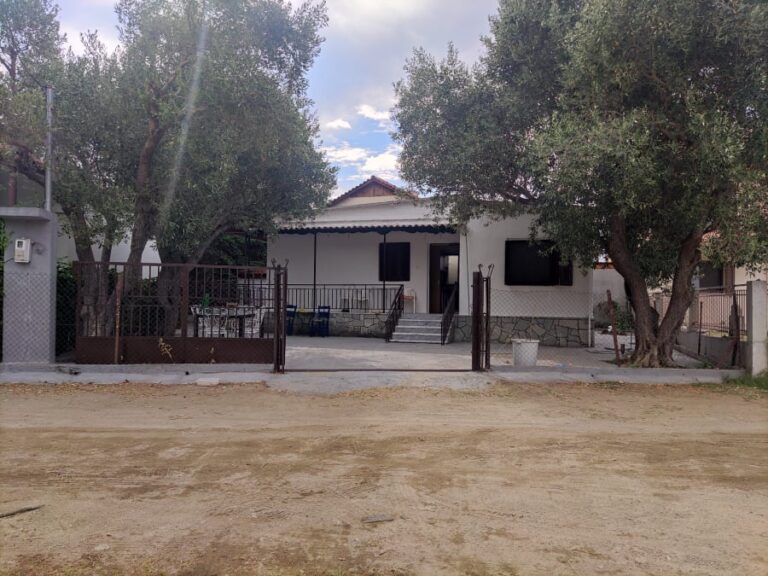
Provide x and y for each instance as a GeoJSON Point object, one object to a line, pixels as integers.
{"type": "Point", "coordinates": [359, 228]}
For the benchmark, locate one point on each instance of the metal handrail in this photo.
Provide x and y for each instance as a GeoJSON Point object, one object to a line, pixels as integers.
{"type": "Point", "coordinates": [394, 315]}
{"type": "Point", "coordinates": [343, 297]}
{"type": "Point", "coordinates": [448, 314]}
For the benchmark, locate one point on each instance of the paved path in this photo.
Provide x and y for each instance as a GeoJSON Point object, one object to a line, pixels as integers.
{"type": "Point", "coordinates": [332, 365]}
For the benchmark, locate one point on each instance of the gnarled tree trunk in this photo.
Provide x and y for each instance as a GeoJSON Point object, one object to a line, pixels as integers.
{"type": "Point", "coordinates": [655, 337]}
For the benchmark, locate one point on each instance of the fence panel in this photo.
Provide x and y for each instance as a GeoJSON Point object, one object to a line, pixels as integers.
{"type": "Point", "coordinates": [160, 313]}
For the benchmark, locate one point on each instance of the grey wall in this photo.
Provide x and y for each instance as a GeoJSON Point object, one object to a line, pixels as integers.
{"type": "Point", "coordinates": [29, 303]}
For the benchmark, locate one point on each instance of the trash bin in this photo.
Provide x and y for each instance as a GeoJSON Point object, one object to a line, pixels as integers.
{"type": "Point", "coordinates": [524, 352]}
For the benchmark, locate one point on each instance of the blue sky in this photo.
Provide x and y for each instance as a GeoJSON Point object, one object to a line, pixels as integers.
{"type": "Point", "coordinates": [367, 43]}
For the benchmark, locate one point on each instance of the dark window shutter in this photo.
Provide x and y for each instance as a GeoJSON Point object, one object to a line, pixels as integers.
{"type": "Point", "coordinates": [397, 265]}
{"type": "Point", "coordinates": [527, 264]}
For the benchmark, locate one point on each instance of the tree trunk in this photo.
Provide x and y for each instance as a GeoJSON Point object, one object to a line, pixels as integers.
{"type": "Point", "coordinates": [169, 296]}
{"type": "Point", "coordinates": [655, 340]}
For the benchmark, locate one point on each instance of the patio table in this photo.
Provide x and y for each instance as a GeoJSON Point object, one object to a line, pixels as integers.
{"type": "Point", "coordinates": [223, 314]}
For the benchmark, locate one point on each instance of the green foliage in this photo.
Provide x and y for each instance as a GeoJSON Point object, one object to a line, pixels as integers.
{"type": "Point", "coordinates": [29, 45]}
{"type": "Point", "coordinates": [197, 124]}
{"type": "Point", "coordinates": [584, 109]}
{"type": "Point", "coordinates": [95, 125]}
{"type": "Point", "coordinates": [238, 147]}
{"type": "Point", "coordinates": [632, 128]}
{"type": "Point", "coordinates": [652, 127]}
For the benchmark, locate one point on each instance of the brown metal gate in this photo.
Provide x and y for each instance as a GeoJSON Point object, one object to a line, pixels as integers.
{"type": "Point", "coordinates": [481, 321]}
{"type": "Point", "coordinates": [179, 313]}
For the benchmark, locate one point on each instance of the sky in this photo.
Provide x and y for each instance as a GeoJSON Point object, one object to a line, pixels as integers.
{"type": "Point", "coordinates": [366, 45]}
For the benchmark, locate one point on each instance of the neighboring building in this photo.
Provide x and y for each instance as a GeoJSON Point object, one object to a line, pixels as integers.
{"type": "Point", "coordinates": [355, 255]}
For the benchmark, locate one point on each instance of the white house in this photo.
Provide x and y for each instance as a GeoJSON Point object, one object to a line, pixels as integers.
{"type": "Point", "coordinates": [376, 243]}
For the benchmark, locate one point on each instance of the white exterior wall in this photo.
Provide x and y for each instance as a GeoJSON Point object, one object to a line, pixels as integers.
{"type": "Point", "coordinates": [742, 276]}
{"type": "Point", "coordinates": [354, 259]}
{"type": "Point", "coordinates": [608, 279]}
{"type": "Point", "coordinates": [484, 243]}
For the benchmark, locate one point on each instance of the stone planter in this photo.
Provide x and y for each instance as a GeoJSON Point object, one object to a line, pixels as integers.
{"type": "Point", "coordinates": [524, 352]}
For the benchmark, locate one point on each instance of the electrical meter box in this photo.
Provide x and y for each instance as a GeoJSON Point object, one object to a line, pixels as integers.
{"type": "Point", "coordinates": [21, 250]}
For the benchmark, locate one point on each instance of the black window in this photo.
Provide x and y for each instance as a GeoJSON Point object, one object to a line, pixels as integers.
{"type": "Point", "coordinates": [527, 264]}
{"type": "Point", "coordinates": [395, 264]}
{"type": "Point", "coordinates": [710, 276]}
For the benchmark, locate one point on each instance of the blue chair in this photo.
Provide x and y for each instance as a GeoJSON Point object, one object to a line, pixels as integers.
{"type": "Point", "coordinates": [290, 314]}
{"type": "Point", "coordinates": [320, 323]}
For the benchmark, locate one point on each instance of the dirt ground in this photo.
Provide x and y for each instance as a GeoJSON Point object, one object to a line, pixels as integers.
{"type": "Point", "coordinates": [514, 479]}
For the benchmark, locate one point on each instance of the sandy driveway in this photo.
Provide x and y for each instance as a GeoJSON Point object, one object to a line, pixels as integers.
{"type": "Point", "coordinates": [516, 479]}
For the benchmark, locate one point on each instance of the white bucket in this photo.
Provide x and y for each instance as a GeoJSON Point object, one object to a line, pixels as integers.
{"type": "Point", "coordinates": [524, 352]}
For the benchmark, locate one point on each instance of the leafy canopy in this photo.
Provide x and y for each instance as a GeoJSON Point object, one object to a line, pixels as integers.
{"type": "Point", "coordinates": [582, 111]}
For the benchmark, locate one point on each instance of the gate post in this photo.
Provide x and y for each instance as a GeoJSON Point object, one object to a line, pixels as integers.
{"type": "Point", "coordinates": [487, 322]}
{"type": "Point", "coordinates": [477, 324]}
{"type": "Point", "coordinates": [757, 327]}
{"type": "Point", "coordinates": [280, 287]}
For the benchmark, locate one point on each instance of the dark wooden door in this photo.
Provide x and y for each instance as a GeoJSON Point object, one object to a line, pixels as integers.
{"type": "Point", "coordinates": [443, 275]}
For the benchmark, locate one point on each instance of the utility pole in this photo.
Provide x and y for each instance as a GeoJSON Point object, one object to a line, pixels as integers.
{"type": "Point", "coordinates": [48, 146]}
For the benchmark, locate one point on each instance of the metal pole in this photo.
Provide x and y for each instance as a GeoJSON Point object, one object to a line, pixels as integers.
{"type": "Point", "coordinates": [477, 298]}
{"type": "Point", "coordinates": [48, 146]}
{"type": "Point", "coordinates": [612, 312]}
{"type": "Point", "coordinates": [384, 277]}
{"type": "Point", "coordinates": [314, 273]}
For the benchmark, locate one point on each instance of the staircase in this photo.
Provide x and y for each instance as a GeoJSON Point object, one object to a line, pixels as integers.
{"type": "Point", "coordinates": [421, 328]}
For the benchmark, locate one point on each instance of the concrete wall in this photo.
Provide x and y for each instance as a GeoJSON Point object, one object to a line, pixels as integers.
{"type": "Point", "coordinates": [354, 259]}
{"type": "Point", "coordinates": [717, 350]}
{"type": "Point", "coordinates": [29, 303]}
{"type": "Point", "coordinates": [484, 243]}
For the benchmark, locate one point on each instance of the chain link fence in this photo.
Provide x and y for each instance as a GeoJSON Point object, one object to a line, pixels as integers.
{"type": "Point", "coordinates": [65, 311]}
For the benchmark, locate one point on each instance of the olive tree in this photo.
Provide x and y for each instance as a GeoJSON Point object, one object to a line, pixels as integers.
{"type": "Point", "coordinates": [632, 128]}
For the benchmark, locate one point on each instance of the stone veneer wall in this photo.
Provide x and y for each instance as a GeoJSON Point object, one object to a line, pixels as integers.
{"type": "Point", "coordinates": [564, 332]}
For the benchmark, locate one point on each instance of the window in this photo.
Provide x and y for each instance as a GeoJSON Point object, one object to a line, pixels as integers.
{"type": "Point", "coordinates": [396, 267]}
{"type": "Point", "coordinates": [710, 276]}
{"type": "Point", "coordinates": [527, 264]}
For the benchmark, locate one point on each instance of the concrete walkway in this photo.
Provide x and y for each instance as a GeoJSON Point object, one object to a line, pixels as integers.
{"type": "Point", "coordinates": [333, 365]}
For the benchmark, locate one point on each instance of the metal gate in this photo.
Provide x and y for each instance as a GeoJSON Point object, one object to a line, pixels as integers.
{"type": "Point", "coordinates": [481, 321]}
{"type": "Point", "coordinates": [179, 313]}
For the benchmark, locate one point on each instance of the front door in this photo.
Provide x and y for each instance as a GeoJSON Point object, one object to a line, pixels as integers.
{"type": "Point", "coordinates": [443, 275]}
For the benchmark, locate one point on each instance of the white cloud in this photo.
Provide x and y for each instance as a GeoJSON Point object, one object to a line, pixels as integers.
{"type": "Point", "coordinates": [74, 41]}
{"type": "Point", "coordinates": [374, 17]}
{"type": "Point", "coordinates": [361, 163]}
{"type": "Point", "coordinates": [345, 155]}
{"type": "Point", "coordinates": [338, 124]}
{"type": "Point", "coordinates": [380, 164]}
{"type": "Point", "coordinates": [368, 111]}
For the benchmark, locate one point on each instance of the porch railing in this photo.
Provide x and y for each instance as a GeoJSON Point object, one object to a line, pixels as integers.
{"type": "Point", "coordinates": [395, 312]}
{"type": "Point", "coordinates": [448, 313]}
{"type": "Point", "coordinates": [343, 297]}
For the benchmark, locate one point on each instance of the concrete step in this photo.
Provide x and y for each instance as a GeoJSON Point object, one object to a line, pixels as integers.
{"type": "Point", "coordinates": [413, 322]}
{"type": "Point", "coordinates": [437, 317]}
{"type": "Point", "coordinates": [416, 338]}
{"type": "Point", "coordinates": [410, 329]}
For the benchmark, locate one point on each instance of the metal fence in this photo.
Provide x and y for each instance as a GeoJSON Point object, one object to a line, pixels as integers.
{"type": "Point", "coordinates": [154, 313]}
{"type": "Point", "coordinates": [718, 311]}
{"type": "Point", "coordinates": [723, 311]}
{"type": "Point", "coordinates": [343, 297]}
